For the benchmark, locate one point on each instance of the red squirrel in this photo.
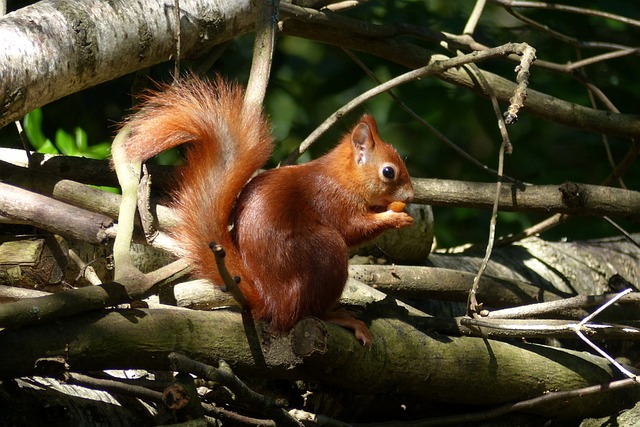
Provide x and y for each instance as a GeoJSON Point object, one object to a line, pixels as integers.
{"type": "Point", "coordinates": [286, 232]}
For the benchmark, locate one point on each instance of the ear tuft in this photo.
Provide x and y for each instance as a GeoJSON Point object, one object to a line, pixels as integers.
{"type": "Point", "coordinates": [362, 141]}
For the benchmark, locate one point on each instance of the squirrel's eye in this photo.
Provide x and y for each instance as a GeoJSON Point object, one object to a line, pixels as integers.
{"type": "Point", "coordinates": [389, 172]}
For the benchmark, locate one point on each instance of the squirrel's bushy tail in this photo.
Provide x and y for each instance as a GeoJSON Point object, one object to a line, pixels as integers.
{"type": "Point", "coordinates": [226, 144]}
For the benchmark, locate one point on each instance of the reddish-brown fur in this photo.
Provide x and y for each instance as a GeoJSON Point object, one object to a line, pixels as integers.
{"type": "Point", "coordinates": [292, 225]}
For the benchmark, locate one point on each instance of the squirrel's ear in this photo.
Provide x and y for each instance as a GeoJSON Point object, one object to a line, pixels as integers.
{"type": "Point", "coordinates": [362, 139]}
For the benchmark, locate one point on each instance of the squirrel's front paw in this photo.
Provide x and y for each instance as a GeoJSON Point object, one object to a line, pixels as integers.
{"type": "Point", "coordinates": [397, 219]}
{"type": "Point", "coordinates": [403, 219]}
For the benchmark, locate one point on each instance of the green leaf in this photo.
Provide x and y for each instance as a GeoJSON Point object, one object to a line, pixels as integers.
{"type": "Point", "coordinates": [82, 141]}
{"type": "Point", "coordinates": [32, 125]}
{"type": "Point", "coordinates": [114, 190]}
{"type": "Point", "coordinates": [66, 143]}
{"type": "Point", "coordinates": [99, 151]}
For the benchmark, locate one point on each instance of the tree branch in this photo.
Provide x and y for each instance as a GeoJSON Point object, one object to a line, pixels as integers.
{"type": "Point", "coordinates": [456, 367]}
{"type": "Point", "coordinates": [386, 41]}
{"type": "Point", "coordinates": [447, 285]}
{"type": "Point", "coordinates": [90, 42]}
{"type": "Point", "coordinates": [58, 217]}
{"type": "Point", "coordinates": [568, 198]}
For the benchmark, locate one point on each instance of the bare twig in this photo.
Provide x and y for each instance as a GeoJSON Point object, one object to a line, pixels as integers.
{"type": "Point", "coordinates": [522, 406]}
{"type": "Point", "coordinates": [622, 231]}
{"type": "Point", "coordinates": [464, 154]}
{"type": "Point", "coordinates": [474, 17]}
{"type": "Point", "coordinates": [438, 65]}
{"type": "Point", "coordinates": [577, 199]}
{"type": "Point", "coordinates": [244, 395]}
{"type": "Point", "coordinates": [176, 17]}
{"type": "Point", "coordinates": [592, 92]}
{"type": "Point", "coordinates": [343, 5]}
{"type": "Point", "coordinates": [13, 293]}
{"type": "Point", "coordinates": [65, 304]}
{"type": "Point", "coordinates": [522, 78]}
{"type": "Point", "coordinates": [628, 160]}
{"type": "Point", "coordinates": [472, 303]}
{"type": "Point", "coordinates": [564, 38]}
{"type": "Point", "coordinates": [114, 386]}
{"type": "Point", "coordinates": [571, 9]}
{"type": "Point", "coordinates": [230, 283]}
{"type": "Point", "coordinates": [448, 285]}
{"type": "Point", "coordinates": [577, 328]}
{"type": "Point", "coordinates": [540, 328]}
{"type": "Point", "coordinates": [535, 230]}
{"type": "Point", "coordinates": [601, 58]}
{"type": "Point", "coordinates": [559, 306]}
{"type": "Point", "coordinates": [144, 206]}
{"type": "Point", "coordinates": [266, 30]}
{"type": "Point", "coordinates": [86, 270]}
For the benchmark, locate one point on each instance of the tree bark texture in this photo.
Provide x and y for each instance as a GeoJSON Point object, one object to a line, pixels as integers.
{"type": "Point", "coordinates": [568, 198]}
{"type": "Point", "coordinates": [54, 48]}
{"type": "Point", "coordinates": [402, 360]}
{"type": "Point", "coordinates": [53, 215]}
{"type": "Point", "coordinates": [566, 268]}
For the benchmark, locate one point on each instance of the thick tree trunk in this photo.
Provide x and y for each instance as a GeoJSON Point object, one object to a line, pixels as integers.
{"type": "Point", "coordinates": [54, 48]}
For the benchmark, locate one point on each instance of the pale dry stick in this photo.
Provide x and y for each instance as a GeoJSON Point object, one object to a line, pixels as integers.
{"type": "Point", "coordinates": [264, 44]}
{"type": "Point", "coordinates": [559, 306]}
{"type": "Point", "coordinates": [129, 173]}
{"type": "Point", "coordinates": [577, 328]}
{"type": "Point", "coordinates": [436, 66]}
{"type": "Point", "coordinates": [464, 154]}
{"type": "Point", "coordinates": [524, 329]}
{"type": "Point", "coordinates": [474, 17]}
{"type": "Point", "coordinates": [86, 270]}
{"type": "Point", "coordinates": [341, 6]}
{"type": "Point", "coordinates": [528, 56]}
{"type": "Point", "coordinates": [551, 222]}
{"type": "Point", "coordinates": [520, 94]}
{"type": "Point", "coordinates": [570, 9]}
{"type": "Point", "coordinates": [536, 229]}
{"type": "Point", "coordinates": [601, 58]}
